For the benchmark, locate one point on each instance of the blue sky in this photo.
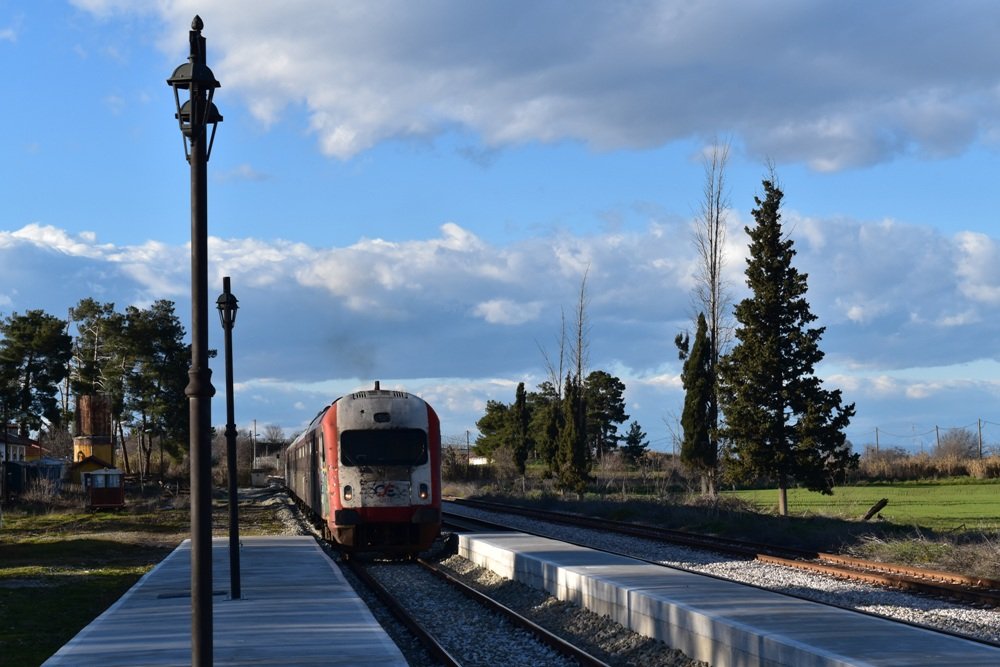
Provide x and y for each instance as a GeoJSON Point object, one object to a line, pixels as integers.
{"type": "Point", "coordinates": [412, 192]}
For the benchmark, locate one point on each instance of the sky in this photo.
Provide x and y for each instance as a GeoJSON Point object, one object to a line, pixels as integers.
{"type": "Point", "coordinates": [414, 192]}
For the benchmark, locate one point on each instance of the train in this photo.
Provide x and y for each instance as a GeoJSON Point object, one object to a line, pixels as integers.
{"type": "Point", "coordinates": [368, 471]}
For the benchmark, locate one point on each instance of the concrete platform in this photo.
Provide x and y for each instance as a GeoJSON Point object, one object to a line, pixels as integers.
{"type": "Point", "coordinates": [296, 609]}
{"type": "Point", "coordinates": [723, 623]}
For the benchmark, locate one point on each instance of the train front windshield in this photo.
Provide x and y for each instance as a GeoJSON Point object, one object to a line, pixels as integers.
{"type": "Point", "coordinates": [384, 447]}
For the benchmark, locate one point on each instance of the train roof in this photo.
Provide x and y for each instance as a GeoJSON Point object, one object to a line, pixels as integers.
{"type": "Point", "coordinates": [378, 393]}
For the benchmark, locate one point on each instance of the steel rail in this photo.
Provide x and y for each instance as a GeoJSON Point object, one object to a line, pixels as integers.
{"type": "Point", "coordinates": [555, 641]}
{"type": "Point", "coordinates": [403, 616]}
{"type": "Point", "coordinates": [912, 571]}
{"type": "Point", "coordinates": [898, 580]}
{"type": "Point", "coordinates": [708, 542]}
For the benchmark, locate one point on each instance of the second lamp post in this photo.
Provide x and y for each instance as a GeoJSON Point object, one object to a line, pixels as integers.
{"type": "Point", "coordinates": [228, 305]}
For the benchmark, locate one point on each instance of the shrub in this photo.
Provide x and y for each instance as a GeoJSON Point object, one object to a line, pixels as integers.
{"type": "Point", "coordinates": [988, 468]}
{"type": "Point", "coordinates": [41, 492]}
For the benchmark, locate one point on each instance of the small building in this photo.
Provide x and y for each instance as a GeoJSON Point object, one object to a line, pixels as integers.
{"type": "Point", "coordinates": [13, 447]}
{"type": "Point", "coordinates": [19, 476]}
{"type": "Point", "coordinates": [87, 464]}
{"type": "Point", "coordinates": [105, 489]}
{"type": "Point", "coordinates": [35, 452]}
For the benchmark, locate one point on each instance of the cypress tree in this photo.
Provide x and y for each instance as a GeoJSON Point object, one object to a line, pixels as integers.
{"type": "Point", "coordinates": [698, 450]}
{"type": "Point", "coordinates": [520, 417]}
{"type": "Point", "coordinates": [779, 421]}
{"type": "Point", "coordinates": [573, 450]}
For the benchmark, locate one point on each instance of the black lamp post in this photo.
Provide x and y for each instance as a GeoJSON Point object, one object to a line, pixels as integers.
{"type": "Point", "coordinates": [228, 305]}
{"type": "Point", "coordinates": [194, 115]}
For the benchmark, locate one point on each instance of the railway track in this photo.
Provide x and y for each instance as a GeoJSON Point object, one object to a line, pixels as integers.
{"type": "Point", "coordinates": [444, 635]}
{"type": "Point", "coordinates": [935, 583]}
{"type": "Point", "coordinates": [942, 585]}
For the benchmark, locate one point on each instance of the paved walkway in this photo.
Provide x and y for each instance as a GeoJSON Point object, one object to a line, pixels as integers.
{"type": "Point", "coordinates": [296, 609]}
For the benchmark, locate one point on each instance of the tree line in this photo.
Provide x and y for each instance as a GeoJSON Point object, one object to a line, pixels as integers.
{"type": "Point", "coordinates": [137, 358]}
{"type": "Point", "coordinates": [754, 408]}
{"type": "Point", "coordinates": [563, 430]}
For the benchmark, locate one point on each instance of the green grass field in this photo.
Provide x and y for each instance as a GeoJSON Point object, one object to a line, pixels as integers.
{"type": "Point", "coordinates": [946, 505]}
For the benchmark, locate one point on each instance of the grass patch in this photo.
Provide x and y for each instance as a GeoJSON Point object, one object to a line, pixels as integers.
{"type": "Point", "coordinates": [729, 517]}
{"type": "Point", "coordinates": [943, 506]}
{"type": "Point", "coordinates": [932, 524]}
{"type": "Point", "coordinates": [43, 608]}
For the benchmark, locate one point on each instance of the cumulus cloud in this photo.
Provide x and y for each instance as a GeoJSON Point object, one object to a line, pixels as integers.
{"type": "Point", "coordinates": [609, 76]}
{"type": "Point", "coordinates": [52, 238]}
{"type": "Point", "coordinates": [890, 295]}
{"type": "Point", "coordinates": [505, 311]}
{"type": "Point", "coordinates": [453, 306]}
{"type": "Point", "coordinates": [978, 267]}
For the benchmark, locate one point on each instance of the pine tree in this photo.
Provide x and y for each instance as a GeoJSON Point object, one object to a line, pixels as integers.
{"type": "Point", "coordinates": [494, 428]}
{"type": "Point", "coordinates": [34, 359]}
{"type": "Point", "coordinates": [635, 443]}
{"type": "Point", "coordinates": [605, 395]}
{"type": "Point", "coordinates": [779, 421]}
{"type": "Point", "coordinates": [698, 451]}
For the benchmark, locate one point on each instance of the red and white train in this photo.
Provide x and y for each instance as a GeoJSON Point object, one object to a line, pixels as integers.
{"type": "Point", "coordinates": [368, 467]}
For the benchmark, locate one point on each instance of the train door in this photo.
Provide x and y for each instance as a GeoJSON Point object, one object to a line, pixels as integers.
{"type": "Point", "coordinates": [324, 494]}
{"type": "Point", "coordinates": [315, 490]}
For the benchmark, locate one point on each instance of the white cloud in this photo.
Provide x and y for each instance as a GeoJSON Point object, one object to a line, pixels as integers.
{"type": "Point", "coordinates": [661, 71]}
{"type": "Point", "coordinates": [978, 267]}
{"type": "Point", "coordinates": [922, 390]}
{"type": "Point", "coordinates": [317, 321]}
{"type": "Point", "coordinates": [47, 236]}
{"type": "Point", "coordinates": [505, 311]}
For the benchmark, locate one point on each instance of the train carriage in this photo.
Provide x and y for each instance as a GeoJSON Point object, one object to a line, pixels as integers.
{"type": "Point", "coordinates": [368, 467]}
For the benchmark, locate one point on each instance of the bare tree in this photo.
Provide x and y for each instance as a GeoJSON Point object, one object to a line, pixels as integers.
{"type": "Point", "coordinates": [959, 443]}
{"type": "Point", "coordinates": [712, 291]}
{"type": "Point", "coordinates": [581, 344]}
{"type": "Point", "coordinates": [579, 348]}
{"type": "Point", "coordinates": [274, 433]}
{"type": "Point", "coordinates": [554, 368]}
{"type": "Point", "coordinates": [711, 294]}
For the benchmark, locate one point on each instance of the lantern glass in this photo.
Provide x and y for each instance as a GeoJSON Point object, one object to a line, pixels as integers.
{"type": "Point", "coordinates": [227, 304]}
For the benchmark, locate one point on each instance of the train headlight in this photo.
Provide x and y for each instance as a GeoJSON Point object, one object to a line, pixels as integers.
{"type": "Point", "coordinates": [424, 492]}
{"type": "Point", "coordinates": [348, 492]}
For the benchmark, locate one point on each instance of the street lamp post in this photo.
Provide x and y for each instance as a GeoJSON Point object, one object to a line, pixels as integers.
{"type": "Point", "coordinates": [194, 116]}
{"type": "Point", "coordinates": [228, 305]}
